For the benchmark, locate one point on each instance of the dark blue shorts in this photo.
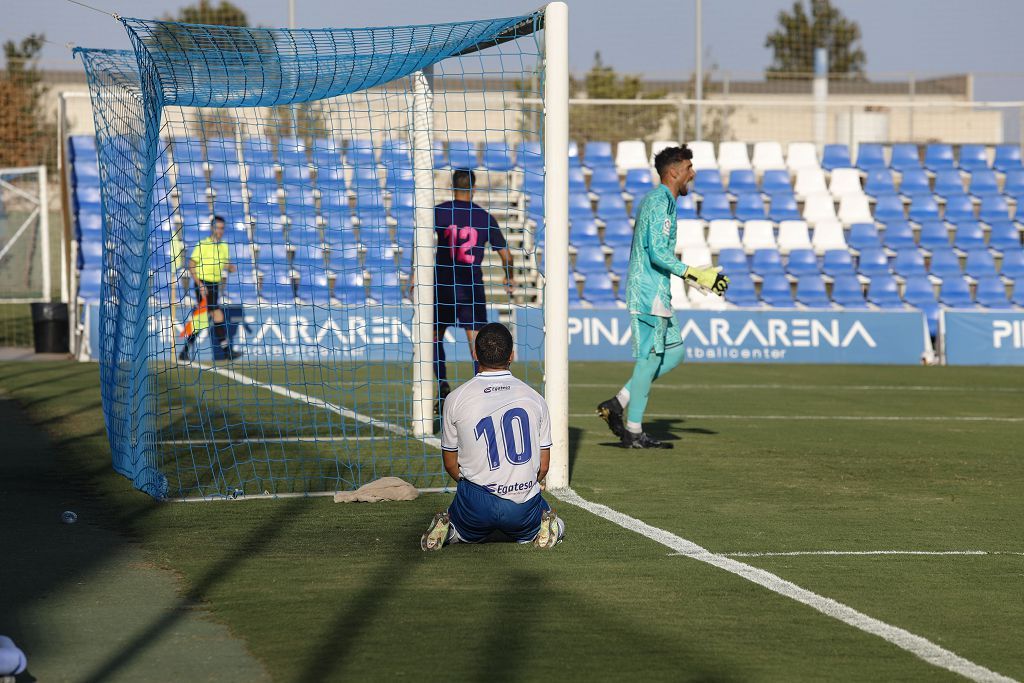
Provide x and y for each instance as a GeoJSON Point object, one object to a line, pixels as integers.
{"type": "Point", "coordinates": [477, 513]}
{"type": "Point", "coordinates": [462, 306]}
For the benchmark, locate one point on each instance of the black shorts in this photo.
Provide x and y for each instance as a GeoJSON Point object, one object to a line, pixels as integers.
{"type": "Point", "coordinates": [212, 294]}
{"type": "Point", "coordinates": [463, 306]}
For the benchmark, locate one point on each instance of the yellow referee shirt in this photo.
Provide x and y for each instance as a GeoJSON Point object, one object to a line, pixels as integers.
{"type": "Point", "coordinates": [210, 258]}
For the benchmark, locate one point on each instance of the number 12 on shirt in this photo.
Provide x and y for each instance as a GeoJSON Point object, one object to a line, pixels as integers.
{"type": "Point", "coordinates": [514, 423]}
{"type": "Point", "coordinates": [461, 240]}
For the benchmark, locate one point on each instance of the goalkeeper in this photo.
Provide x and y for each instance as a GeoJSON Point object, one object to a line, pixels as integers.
{"type": "Point", "coordinates": [657, 344]}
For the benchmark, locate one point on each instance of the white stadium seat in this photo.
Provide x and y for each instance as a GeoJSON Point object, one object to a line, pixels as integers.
{"type": "Point", "coordinates": [690, 233]}
{"type": "Point", "coordinates": [767, 157]}
{"type": "Point", "coordinates": [706, 300]}
{"type": "Point", "coordinates": [732, 156]}
{"type": "Point", "coordinates": [844, 181]}
{"type": "Point", "coordinates": [679, 298]}
{"type": "Point", "coordinates": [801, 155]}
{"type": "Point", "coordinates": [819, 207]}
{"type": "Point", "coordinates": [809, 181]}
{"type": "Point", "coordinates": [696, 256]}
{"type": "Point", "coordinates": [631, 154]}
{"type": "Point", "coordinates": [854, 208]}
{"type": "Point", "coordinates": [793, 235]}
{"type": "Point", "coordinates": [758, 235]}
{"type": "Point", "coordinates": [724, 234]}
{"type": "Point", "coordinates": [828, 235]}
{"type": "Point", "coordinates": [703, 155]}
{"type": "Point", "coordinates": [659, 145]}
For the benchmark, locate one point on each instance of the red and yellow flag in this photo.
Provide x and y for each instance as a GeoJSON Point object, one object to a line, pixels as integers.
{"type": "Point", "coordinates": [197, 312]}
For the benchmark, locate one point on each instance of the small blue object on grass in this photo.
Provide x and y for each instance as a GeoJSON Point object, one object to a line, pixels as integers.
{"type": "Point", "coordinates": [68, 517]}
{"type": "Point", "coordinates": [12, 659]}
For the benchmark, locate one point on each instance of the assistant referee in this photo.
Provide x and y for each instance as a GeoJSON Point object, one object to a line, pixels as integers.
{"type": "Point", "coordinates": [209, 259]}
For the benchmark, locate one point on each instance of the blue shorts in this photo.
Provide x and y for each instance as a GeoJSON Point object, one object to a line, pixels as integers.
{"type": "Point", "coordinates": [463, 306]}
{"type": "Point", "coordinates": [476, 513]}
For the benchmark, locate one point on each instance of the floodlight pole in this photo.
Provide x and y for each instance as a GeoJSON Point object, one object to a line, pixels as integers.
{"type": "Point", "coordinates": [698, 74]}
{"type": "Point", "coordinates": [291, 13]}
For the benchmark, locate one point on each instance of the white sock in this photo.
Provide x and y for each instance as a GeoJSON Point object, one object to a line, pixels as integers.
{"type": "Point", "coordinates": [634, 427]}
{"type": "Point", "coordinates": [623, 397]}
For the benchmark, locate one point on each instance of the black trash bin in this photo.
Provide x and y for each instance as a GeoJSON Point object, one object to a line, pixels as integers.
{"type": "Point", "coordinates": [50, 327]}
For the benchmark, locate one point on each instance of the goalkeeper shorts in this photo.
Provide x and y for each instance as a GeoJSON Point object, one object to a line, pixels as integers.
{"type": "Point", "coordinates": [654, 333]}
{"type": "Point", "coordinates": [476, 513]}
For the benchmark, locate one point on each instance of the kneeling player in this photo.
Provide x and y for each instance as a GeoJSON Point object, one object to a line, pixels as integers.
{"type": "Point", "coordinates": [496, 443]}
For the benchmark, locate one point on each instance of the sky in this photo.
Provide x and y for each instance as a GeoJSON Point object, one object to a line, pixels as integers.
{"type": "Point", "coordinates": [647, 37]}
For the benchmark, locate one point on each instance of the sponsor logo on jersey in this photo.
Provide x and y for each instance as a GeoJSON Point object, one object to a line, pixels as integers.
{"type": "Point", "coordinates": [502, 489]}
{"type": "Point", "coordinates": [497, 387]}
{"type": "Point", "coordinates": [667, 226]}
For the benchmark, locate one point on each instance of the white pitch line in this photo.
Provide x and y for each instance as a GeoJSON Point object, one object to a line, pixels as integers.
{"type": "Point", "coordinates": [320, 403]}
{"type": "Point", "coordinates": [914, 644]}
{"type": "Point", "coordinates": [813, 387]}
{"type": "Point", "coordinates": [840, 418]}
{"type": "Point", "coordinates": [257, 440]}
{"type": "Point", "coordinates": [842, 553]}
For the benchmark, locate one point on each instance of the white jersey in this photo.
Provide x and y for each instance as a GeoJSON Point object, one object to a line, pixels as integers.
{"type": "Point", "coordinates": [499, 425]}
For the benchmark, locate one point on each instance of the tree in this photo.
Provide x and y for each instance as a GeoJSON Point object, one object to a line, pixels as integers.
{"type": "Point", "coordinates": [793, 43]}
{"type": "Point", "coordinates": [205, 12]}
{"type": "Point", "coordinates": [26, 137]}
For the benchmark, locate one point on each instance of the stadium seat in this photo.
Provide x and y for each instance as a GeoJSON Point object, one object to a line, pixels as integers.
{"type": "Point", "coordinates": [599, 290]}
{"type": "Point", "coordinates": [360, 152]}
{"type": "Point", "coordinates": [698, 256]}
{"type": "Point", "coordinates": [934, 235]}
{"type": "Point", "coordinates": [834, 156]}
{"type": "Point", "coordinates": [741, 291]}
{"type": "Point", "coordinates": [620, 264]}
{"type": "Point", "coordinates": [802, 262]}
{"type": "Point", "coordinates": [870, 156]}
{"type": "Point", "coordinates": [918, 291]}
{"type": "Point", "coordinates": [923, 207]}
{"type": "Point", "coordinates": [994, 208]}
{"type": "Point", "coordinates": [750, 207]}
{"type": "Point", "coordinates": [973, 158]}
{"type": "Point", "coordinates": [1007, 158]}
{"type": "Point", "coordinates": [767, 157]}
{"type": "Point", "coordinates": [847, 291]}
{"type": "Point", "coordinates": [905, 157]}
{"type": "Point", "coordinates": [396, 152]}
{"type": "Point", "coordinates": [82, 147]}
{"type": "Point", "coordinates": [498, 157]}
{"type": "Point", "coordinates": [530, 156]}
{"type": "Point", "coordinates": [955, 293]}
{"type": "Point", "coordinates": [605, 180]}
{"type": "Point", "coordinates": [724, 234]}
{"type": "Point", "coordinates": [854, 208]}
{"type": "Point", "coordinates": [968, 236]}
{"type": "Point", "coordinates": [879, 182]}
{"type": "Point", "coordinates": [597, 154]}
{"type": "Point", "coordinates": [914, 182]}
{"type": "Point", "coordinates": [889, 208]}
{"type": "Point", "coordinates": [733, 261]}
{"type": "Point", "coordinates": [89, 281]}
{"type": "Point", "coordinates": [938, 157]}
{"type": "Point", "coordinates": [909, 263]}
{"type": "Point", "coordinates": [959, 208]}
{"type": "Point", "coordinates": [1014, 186]}
{"type": "Point", "coordinates": [575, 300]}
{"type": "Point", "coordinates": [386, 288]}
{"type": "Point", "coordinates": [980, 264]}
{"type": "Point", "coordinates": [690, 233]}
{"type": "Point", "coordinates": [708, 181]}
{"type": "Point", "coordinates": [307, 256]}
{"type": "Point", "coordinates": [991, 293]}
{"type": "Point", "coordinates": [1013, 267]}
{"type": "Point", "coordinates": [783, 207]}
{"type": "Point", "coordinates": [576, 181]}
{"type": "Point", "coordinates": [776, 181]}
{"type": "Point", "coordinates": [583, 233]}
{"type": "Point", "coordinates": [639, 181]}
{"type": "Point", "coordinates": [658, 145]}
{"type": "Point", "coordinates": [631, 154]}
{"type": "Point", "coordinates": [767, 262]}
{"type": "Point", "coordinates": [949, 182]}
{"type": "Point", "coordinates": [742, 181]}
{"type": "Point", "coordinates": [715, 206]}
{"type": "Point", "coordinates": [758, 234]}
{"type": "Point", "coordinates": [686, 207]}
{"type": "Point", "coordinates": [86, 171]}
{"type": "Point", "coordinates": [801, 155]}
{"type": "Point", "coordinates": [845, 181]}
{"type": "Point", "coordinates": [810, 291]}
{"type": "Point", "coordinates": [1004, 235]}
{"type": "Point", "coordinates": [945, 263]}
{"type": "Point", "coordinates": [864, 236]}
{"type": "Point", "coordinates": [680, 300]}
{"type": "Point", "coordinates": [818, 208]}
{"type": "Point", "coordinates": [579, 206]}
{"type": "Point", "coordinates": [793, 234]}
{"type": "Point", "coordinates": [618, 233]}
{"type": "Point", "coordinates": [732, 155]}
{"type": "Point", "coordinates": [777, 292]}
{"type": "Point", "coordinates": [810, 181]}
{"type": "Point", "coordinates": [872, 263]}
{"type": "Point", "coordinates": [611, 206]}
{"type": "Point", "coordinates": [703, 155]}
{"type": "Point", "coordinates": [836, 262]}
{"type": "Point", "coordinates": [440, 155]}
{"type": "Point", "coordinates": [884, 292]}
{"type": "Point", "coordinates": [90, 221]}
{"type": "Point", "coordinates": [462, 154]}
{"type": "Point", "coordinates": [591, 259]}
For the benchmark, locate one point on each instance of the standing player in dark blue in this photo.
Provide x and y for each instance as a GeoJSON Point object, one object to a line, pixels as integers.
{"type": "Point", "coordinates": [463, 228]}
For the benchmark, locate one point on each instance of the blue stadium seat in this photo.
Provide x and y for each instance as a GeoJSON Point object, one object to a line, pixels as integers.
{"type": "Point", "coordinates": [530, 156]}
{"type": "Point", "coordinates": [847, 292]}
{"type": "Point", "coordinates": [938, 157]}
{"type": "Point", "coordinates": [1014, 185]}
{"type": "Point", "coordinates": [749, 207]}
{"type": "Point", "coordinates": [980, 264]}
{"type": "Point", "coordinates": [261, 174]}
{"type": "Point", "coordinates": [1018, 297]}
{"type": "Point", "coordinates": [575, 300]}
{"type": "Point", "coordinates": [686, 207]}
{"type": "Point", "coordinates": [810, 291]}
{"type": "Point", "coordinates": [776, 292]}
{"type": "Point", "coordinates": [994, 208]}
{"type": "Point", "coordinates": [1007, 158]}
{"type": "Point", "coordinates": [374, 231]}
{"type": "Point", "coordinates": [360, 152]}
{"type": "Point", "coordinates": [380, 257]}
{"type": "Point", "coordinates": [708, 181]}
{"type": "Point", "coordinates": [639, 181]}
{"type": "Point", "coordinates": [889, 208]}
{"type": "Point", "coordinates": [222, 151]}
{"type": "Point", "coordinates": [1013, 266]}
{"type": "Point", "coordinates": [733, 261]}
{"type": "Point", "coordinates": [90, 221]}
{"type": "Point", "coordinates": [257, 151]}
{"type": "Point", "coordinates": [836, 156]}
{"type": "Point", "coordinates": [991, 293]}
{"type": "Point", "coordinates": [597, 154]}
{"type": "Point", "coordinates": [605, 180]}
{"type": "Point", "coordinates": [968, 236]}
{"type": "Point", "coordinates": [923, 208]}
{"type": "Point", "coordinates": [949, 182]}
{"type": "Point", "coordinates": [86, 171]}
{"type": "Point", "coordinates": [498, 157]}
{"type": "Point", "coordinates": [784, 207]}
{"type": "Point", "coordinates": [934, 235]}
{"type": "Point", "coordinates": [899, 235]}
{"type": "Point", "coordinates": [579, 206]}
{"type": "Point", "coordinates": [440, 156]}
{"type": "Point", "coordinates": [304, 234]}
{"type": "Point", "coordinates": [89, 284]}
{"type": "Point", "coordinates": [914, 182]}
{"type": "Point", "coordinates": [715, 206]}
{"type": "Point", "coordinates": [973, 157]}
{"type": "Point", "coordinates": [884, 292]}
{"type": "Point", "coordinates": [869, 156]}
{"type": "Point", "coordinates": [611, 206]}
{"type": "Point", "coordinates": [742, 181]}
{"type": "Point", "coordinates": [186, 150]}
{"type": "Point", "coordinates": [599, 290]}
{"type": "Point", "coordinates": [576, 181]}
{"type": "Point", "coordinates": [462, 154]}
{"type": "Point", "coordinates": [871, 263]}
{"type": "Point", "coordinates": [350, 288]}
{"type": "Point", "coordinates": [533, 184]}
{"type": "Point", "coordinates": [766, 263]}
{"type": "Point", "coordinates": [905, 157]}
{"type": "Point", "coordinates": [591, 259]}
{"type": "Point", "coordinates": [741, 291]}
{"type": "Point", "coordinates": [82, 147]}
{"type": "Point", "coordinates": [945, 263]}
{"type": "Point", "coordinates": [618, 232]}
{"type": "Point", "coordinates": [920, 293]}
{"type": "Point", "coordinates": [365, 178]}
{"type": "Point", "coordinates": [775, 180]}
{"type": "Point", "coordinates": [583, 233]}
{"type": "Point", "coordinates": [225, 171]}
{"type": "Point", "coordinates": [403, 199]}
{"type": "Point", "coordinates": [386, 288]}
{"type": "Point", "coordinates": [1004, 235]}
{"type": "Point", "coordinates": [959, 208]}
{"type": "Point", "coordinates": [308, 256]}
{"type": "Point", "coordinates": [909, 263]}
{"type": "Point", "coordinates": [314, 289]}
{"type": "Point", "coordinates": [620, 263]}
{"type": "Point", "coordinates": [836, 262]}
{"type": "Point", "coordinates": [297, 174]}
{"type": "Point", "coordinates": [955, 293]}
{"type": "Point", "coordinates": [983, 182]}
{"type": "Point", "coordinates": [863, 236]}
{"type": "Point", "coordinates": [395, 152]}
{"type": "Point", "coordinates": [91, 253]}
{"type": "Point", "coordinates": [802, 262]}
{"type": "Point", "coordinates": [880, 181]}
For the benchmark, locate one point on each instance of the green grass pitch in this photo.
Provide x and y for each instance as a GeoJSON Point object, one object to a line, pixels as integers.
{"type": "Point", "coordinates": [767, 459]}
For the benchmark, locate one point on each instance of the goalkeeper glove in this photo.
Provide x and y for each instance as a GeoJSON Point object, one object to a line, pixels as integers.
{"type": "Point", "coordinates": [708, 278]}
